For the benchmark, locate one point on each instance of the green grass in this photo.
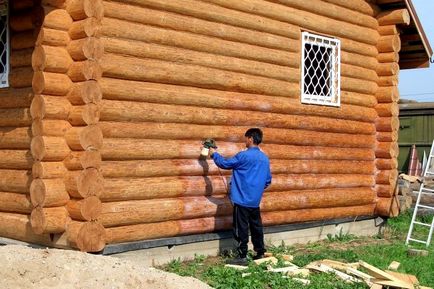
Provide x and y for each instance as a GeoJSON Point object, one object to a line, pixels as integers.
{"type": "Point", "coordinates": [379, 251]}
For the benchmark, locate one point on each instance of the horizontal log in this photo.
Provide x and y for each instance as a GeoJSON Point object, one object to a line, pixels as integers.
{"type": "Point", "coordinates": [86, 48]}
{"type": "Point", "coordinates": [388, 30]}
{"type": "Point", "coordinates": [54, 3]}
{"type": "Point", "coordinates": [49, 148]}
{"type": "Point", "coordinates": [388, 80]}
{"type": "Point", "coordinates": [15, 159]}
{"type": "Point", "coordinates": [387, 207]}
{"type": "Point", "coordinates": [89, 27]}
{"type": "Point", "coordinates": [149, 188]}
{"type": "Point", "coordinates": [15, 98]}
{"type": "Point", "coordinates": [21, 77]}
{"type": "Point", "coordinates": [83, 160]}
{"type": "Point", "coordinates": [385, 191]}
{"type": "Point", "coordinates": [386, 164]}
{"type": "Point", "coordinates": [158, 210]}
{"type": "Point", "coordinates": [358, 72]}
{"type": "Point", "coordinates": [48, 193]}
{"type": "Point", "coordinates": [50, 107]}
{"type": "Point", "coordinates": [388, 69]}
{"type": "Point", "coordinates": [15, 137]}
{"type": "Point", "coordinates": [15, 181]}
{"type": "Point", "coordinates": [122, 111]}
{"type": "Point", "coordinates": [15, 203]}
{"type": "Point", "coordinates": [356, 59]}
{"type": "Point", "coordinates": [211, 224]}
{"type": "Point", "coordinates": [387, 124]}
{"type": "Point", "coordinates": [85, 92]}
{"type": "Point", "coordinates": [162, 168]}
{"type": "Point", "coordinates": [387, 94]}
{"type": "Point", "coordinates": [393, 17]}
{"type": "Point", "coordinates": [388, 57]}
{"type": "Point", "coordinates": [81, 115]}
{"type": "Point", "coordinates": [17, 226]}
{"type": "Point", "coordinates": [49, 220]}
{"type": "Point", "coordinates": [155, 51]}
{"type": "Point", "coordinates": [85, 70]}
{"type": "Point", "coordinates": [22, 22]}
{"type": "Point", "coordinates": [15, 117]}
{"type": "Point", "coordinates": [21, 58]}
{"type": "Point", "coordinates": [86, 236]}
{"type": "Point", "coordinates": [387, 150]}
{"type": "Point", "coordinates": [358, 85]}
{"type": "Point", "coordinates": [22, 5]}
{"type": "Point", "coordinates": [51, 83]}
{"type": "Point", "coordinates": [85, 138]}
{"type": "Point", "coordinates": [81, 9]}
{"type": "Point", "coordinates": [387, 136]}
{"type": "Point", "coordinates": [88, 209]}
{"type": "Point", "coordinates": [86, 183]}
{"type": "Point", "coordinates": [389, 43]}
{"type": "Point", "coordinates": [387, 177]}
{"type": "Point", "coordinates": [51, 59]}
{"type": "Point", "coordinates": [116, 89]}
{"type": "Point", "coordinates": [48, 170]}
{"type": "Point", "coordinates": [135, 149]}
{"type": "Point", "coordinates": [387, 109]}
{"type": "Point", "coordinates": [52, 37]}
{"type": "Point", "coordinates": [49, 127]}
{"type": "Point", "coordinates": [23, 40]}
{"type": "Point", "coordinates": [54, 18]}
{"type": "Point", "coordinates": [195, 25]}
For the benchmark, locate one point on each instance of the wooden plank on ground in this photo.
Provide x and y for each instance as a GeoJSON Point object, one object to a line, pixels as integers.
{"type": "Point", "coordinates": [394, 265]}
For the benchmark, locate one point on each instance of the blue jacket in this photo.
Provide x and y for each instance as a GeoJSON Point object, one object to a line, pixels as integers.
{"type": "Point", "coordinates": [251, 175]}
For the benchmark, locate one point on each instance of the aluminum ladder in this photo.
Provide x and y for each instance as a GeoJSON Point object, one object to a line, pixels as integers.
{"type": "Point", "coordinates": [428, 172]}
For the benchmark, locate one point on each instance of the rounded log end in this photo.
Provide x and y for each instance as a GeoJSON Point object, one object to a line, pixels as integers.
{"type": "Point", "coordinates": [91, 114]}
{"type": "Point", "coordinates": [91, 237]}
{"type": "Point", "coordinates": [91, 159]}
{"type": "Point", "coordinates": [37, 108]}
{"type": "Point", "coordinates": [91, 137]}
{"type": "Point", "coordinates": [91, 92]}
{"type": "Point", "coordinates": [37, 190]}
{"type": "Point", "coordinates": [38, 82]}
{"type": "Point", "coordinates": [93, 48]}
{"type": "Point", "coordinates": [38, 221]}
{"type": "Point", "coordinates": [90, 183]}
{"type": "Point", "coordinates": [91, 208]}
{"type": "Point", "coordinates": [38, 59]}
{"type": "Point", "coordinates": [92, 70]}
{"type": "Point", "coordinates": [37, 148]}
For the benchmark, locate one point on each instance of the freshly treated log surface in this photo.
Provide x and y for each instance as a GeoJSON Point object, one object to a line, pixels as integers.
{"type": "Point", "coordinates": [15, 98]}
{"type": "Point", "coordinates": [85, 92]}
{"type": "Point", "coordinates": [15, 117]}
{"type": "Point", "coordinates": [17, 226]}
{"type": "Point", "coordinates": [83, 160]}
{"type": "Point", "coordinates": [15, 159]}
{"type": "Point", "coordinates": [87, 209]}
{"type": "Point", "coordinates": [48, 170]}
{"type": "Point", "coordinates": [86, 236]}
{"type": "Point", "coordinates": [50, 127]}
{"type": "Point", "coordinates": [48, 193]}
{"type": "Point", "coordinates": [52, 37]}
{"type": "Point", "coordinates": [86, 183]}
{"type": "Point", "coordinates": [49, 220]}
{"type": "Point", "coordinates": [15, 203]}
{"type": "Point", "coordinates": [50, 107]}
{"type": "Point", "coordinates": [15, 137]}
{"type": "Point", "coordinates": [81, 9]}
{"type": "Point", "coordinates": [51, 83]}
{"type": "Point", "coordinates": [397, 16]}
{"type": "Point", "coordinates": [15, 181]}
{"type": "Point", "coordinates": [387, 207]}
{"type": "Point", "coordinates": [49, 148]}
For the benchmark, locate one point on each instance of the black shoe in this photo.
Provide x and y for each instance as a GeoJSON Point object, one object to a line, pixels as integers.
{"type": "Point", "coordinates": [238, 261]}
{"type": "Point", "coordinates": [258, 256]}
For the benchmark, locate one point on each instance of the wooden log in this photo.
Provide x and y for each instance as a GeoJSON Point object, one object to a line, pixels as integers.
{"type": "Point", "coordinates": [21, 77]}
{"type": "Point", "coordinates": [50, 107]}
{"type": "Point", "coordinates": [389, 43]}
{"type": "Point", "coordinates": [21, 58]}
{"type": "Point", "coordinates": [358, 85]}
{"type": "Point", "coordinates": [360, 60]}
{"type": "Point", "coordinates": [115, 89]}
{"type": "Point", "coordinates": [15, 203]}
{"type": "Point", "coordinates": [15, 137]}
{"type": "Point", "coordinates": [16, 98]}
{"type": "Point", "coordinates": [51, 59]}
{"type": "Point", "coordinates": [87, 209]}
{"type": "Point", "coordinates": [23, 40]}
{"type": "Point", "coordinates": [122, 111]}
{"type": "Point", "coordinates": [89, 27]}
{"type": "Point", "coordinates": [386, 150]}
{"type": "Point", "coordinates": [86, 183]}
{"type": "Point", "coordinates": [85, 70]}
{"type": "Point", "coordinates": [15, 181]}
{"type": "Point", "coordinates": [54, 3]}
{"type": "Point", "coordinates": [88, 114]}
{"type": "Point", "coordinates": [387, 109]}
{"type": "Point", "coordinates": [161, 168]}
{"type": "Point", "coordinates": [386, 164]}
{"type": "Point", "coordinates": [81, 9]}
{"type": "Point", "coordinates": [388, 30]}
{"type": "Point", "coordinates": [86, 236]}
{"type": "Point", "coordinates": [393, 17]}
{"type": "Point", "coordinates": [387, 136]}
{"type": "Point", "coordinates": [385, 191]}
{"type": "Point", "coordinates": [49, 148]}
{"type": "Point", "coordinates": [85, 92]}
{"type": "Point", "coordinates": [50, 127]}
{"type": "Point", "coordinates": [387, 177]}
{"type": "Point", "coordinates": [15, 159]}
{"type": "Point", "coordinates": [86, 48]}
{"type": "Point", "coordinates": [51, 83]}
{"type": "Point", "coordinates": [54, 18]}
{"type": "Point", "coordinates": [22, 21]}
{"type": "Point", "coordinates": [149, 188]}
{"type": "Point", "coordinates": [387, 94]}
{"type": "Point", "coordinates": [85, 138]}
{"type": "Point", "coordinates": [180, 22]}
{"type": "Point", "coordinates": [388, 69]}
{"type": "Point", "coordinates": [15, 117]}
{"type": "Point", "coordinates": [387, 207]}
{"type": "Point", "coordinates": [52, 37]}
{"type": "Point", "coordinates": [22, 5]}
{"type": "Point", "coordinates": [122, 149]}
{"type": "Point", "coordinates": [358, 72]}
{"type": "Point", "coordinates": [158, 210]}
{"type": "Point", "coordinates": [17, 226]}
{"type": "Point", "coordinates": [49, 220]}
{"type": "Point", "coordinates": [155, 51]}
{"type": "Point", "coordinates": [48, 170]}
{"type": "Point", "coordinates": [48, 193]}
{"type": "Point", "coordinates": [387, 57]}
{"type": "Point", "coordinates": [389, 124]}
{"type": "Point", "coordinates": [388, 80]}
{"type": "Point", "coordinates": [83, 160]}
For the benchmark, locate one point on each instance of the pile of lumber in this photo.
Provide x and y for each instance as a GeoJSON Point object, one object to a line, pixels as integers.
{"type": "Point", "coordinates": [357, 272]}
{"type": "Point", "coordinates": [408, 190]}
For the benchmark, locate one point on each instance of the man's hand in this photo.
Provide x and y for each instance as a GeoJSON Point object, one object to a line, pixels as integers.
{"type": "Point", "coordinates": [211, 151]}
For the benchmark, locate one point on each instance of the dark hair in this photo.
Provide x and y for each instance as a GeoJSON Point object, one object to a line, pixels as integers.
{"type": "Point", "coordinates": [254, 133]}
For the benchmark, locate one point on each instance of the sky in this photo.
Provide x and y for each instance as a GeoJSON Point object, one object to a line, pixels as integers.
{"type": "Point", "coordinates": [418, 84]}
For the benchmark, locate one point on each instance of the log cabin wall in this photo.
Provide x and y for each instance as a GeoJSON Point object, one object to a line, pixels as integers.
{"type": "Point", "coordinates": [176, 72]}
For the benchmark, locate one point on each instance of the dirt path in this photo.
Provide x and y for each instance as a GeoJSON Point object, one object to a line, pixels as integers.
{"type": "Point", "coordinates": [24, 267]}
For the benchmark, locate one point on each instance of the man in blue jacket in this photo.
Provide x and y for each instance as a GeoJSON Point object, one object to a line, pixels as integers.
{"type": "Point", "coordinates": [251, 176]}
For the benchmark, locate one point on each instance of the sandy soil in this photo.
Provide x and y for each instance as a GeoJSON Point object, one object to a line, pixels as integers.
{"type": "Point", "coordinates": [24, 267]}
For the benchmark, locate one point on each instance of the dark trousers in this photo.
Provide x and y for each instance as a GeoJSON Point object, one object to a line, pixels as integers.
{"type": "Point", "coordinates": [243, 218]}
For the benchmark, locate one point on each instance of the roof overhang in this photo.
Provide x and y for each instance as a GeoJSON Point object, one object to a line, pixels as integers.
{"type": "Point", "coordinates": [416, 108]}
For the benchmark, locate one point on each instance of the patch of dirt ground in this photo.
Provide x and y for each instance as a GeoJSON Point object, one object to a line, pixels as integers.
{"type": "Point", "coordinates": [24, 267]}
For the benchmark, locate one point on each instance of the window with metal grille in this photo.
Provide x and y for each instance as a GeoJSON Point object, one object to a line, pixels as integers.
{"type": "Point", "coordinates": [320, 75]}
{"type": "Point", "coordinates": [4, 43]}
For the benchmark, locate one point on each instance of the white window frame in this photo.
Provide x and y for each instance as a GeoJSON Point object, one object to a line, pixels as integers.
{"type": "Point", "coordinates": [334, 96]}
{"type": "Point", "coordinates": [4, 76]}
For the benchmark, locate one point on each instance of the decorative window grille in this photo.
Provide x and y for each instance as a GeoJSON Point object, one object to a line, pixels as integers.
{"type": "Point", "coordinates": [4, 43]}
{"type": "Point", "coordinates": [320, 75]}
